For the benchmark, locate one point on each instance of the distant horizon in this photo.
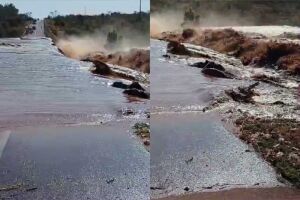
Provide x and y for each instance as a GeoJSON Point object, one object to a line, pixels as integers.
{"type": "Point", "coordinates": [42, 9]}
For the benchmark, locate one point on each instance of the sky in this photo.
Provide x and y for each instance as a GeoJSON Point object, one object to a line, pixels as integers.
{"type": "Point", "coordinates": [42, 8]}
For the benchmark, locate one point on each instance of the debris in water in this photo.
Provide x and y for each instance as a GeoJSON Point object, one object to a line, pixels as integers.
{"type": "Point", "coordinates": [243, 94]}
{"type": "Point", "coordinates": [137, 93]}
{"type": "Point", "coordinates": [156, 188]}
{"type": "Point", "coordinates": [31, 189]}
{"type": "Point", "coordinates": [10, 187]}
{"type": "Point", "coordinates": [110, 181]}
{"type": "Point", "coordinates": [189, 160]}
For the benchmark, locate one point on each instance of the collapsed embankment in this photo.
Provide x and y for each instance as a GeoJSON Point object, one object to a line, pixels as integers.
{"type": "Point", "coordinates": [258, 51]}
{"type": "Point", "coordinates": [114, 60]}
{"type": "Point", "coordinates": [136, 59]}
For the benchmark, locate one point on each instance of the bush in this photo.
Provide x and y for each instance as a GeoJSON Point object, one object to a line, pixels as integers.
{"type": "Point", "coordinates": [12, 24]}
{"type": "Point", "coordinates": [124, 25]}
{"type": "Point", "coordinates": [112, 37]}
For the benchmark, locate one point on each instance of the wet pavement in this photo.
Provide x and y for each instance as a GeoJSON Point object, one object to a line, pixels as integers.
{"type": "Point", "coordinates": [76, 162]}
{"type": "Point", "coordinates": [177, 87]}
{"type": "Point", "coordinates": [39, 30]}
{"type": "Point", "coordinates": [194, 152]}
{"type": "Point", "coordinates": [40, 86]}
{"type": "Point", "coordinates": [63, 132]}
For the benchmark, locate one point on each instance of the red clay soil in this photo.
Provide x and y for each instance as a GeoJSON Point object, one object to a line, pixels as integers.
{"type": "Point", "coordinates": [243, 194]}
{"type": "Point", "coordinates": [137, 59]}
{"type": "Point", "coordinates": [251, 51]}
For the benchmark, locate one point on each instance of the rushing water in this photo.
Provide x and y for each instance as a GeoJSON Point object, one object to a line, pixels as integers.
{"type": "Point", "coordinates": [42, 93]}
{"type": "Point", "coordinates": [191, 150]}
{"type": "Point", "coordinates": [177, 87]}
{"type": "Point", "coordinates": [38, 85]}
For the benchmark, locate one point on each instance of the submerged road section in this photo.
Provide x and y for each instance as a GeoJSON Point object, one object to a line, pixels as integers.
{"type": "Point", "coordinates": [76, 162]}
{"type": "Point", "coordinates": [63, 134]}
{"type": "Point", "coordinates": [192, 151]}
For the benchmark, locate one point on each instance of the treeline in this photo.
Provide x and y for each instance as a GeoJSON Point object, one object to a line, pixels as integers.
{"type": "Point", "coordinates": [12, 24]}
{"type": "Point", "coordinates": [114, 25]}
{"type": "Point", "coordinates": [266, 12]}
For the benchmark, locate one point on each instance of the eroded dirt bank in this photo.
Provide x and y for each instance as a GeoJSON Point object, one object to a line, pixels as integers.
{"type": "Point", "coordinates": [128, 68]}
{"type": "Point", "coordinates": [123, 66]}
{"type": "Point", "coordinates": [251, 49]}
{"type": "Point", "coordinates": [136, 59]}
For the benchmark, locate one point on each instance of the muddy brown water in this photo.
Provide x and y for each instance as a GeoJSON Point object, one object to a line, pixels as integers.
{"type": "Point", "coordinates": [38, 86]}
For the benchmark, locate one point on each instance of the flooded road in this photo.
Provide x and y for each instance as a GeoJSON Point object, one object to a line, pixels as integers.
{"type": "Point", "coordinates": [195, 152]}
{"type": "Point", "coordinates": [38, 85]}
{"type": "Point", "coordinates": [192, 151]}
{"type": "Point", "coordinates": [177, 87]}
{"type": "Point", "coordinates": [78, 162]}
{"type": "Point", "coordinates": [62, 131]}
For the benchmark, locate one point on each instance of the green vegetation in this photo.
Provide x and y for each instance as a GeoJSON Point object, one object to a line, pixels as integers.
{"type": "Point", "coordinates": [113, 25]}
{"type": "Point", "coordinates": [277, 12]}
{"type": "Point", "coordinates": [278, 141]}
{"type": "Point", "coordinates": [142, 130]}
{"type": "Point", "coordinates": [12, 24]}
{"type": "Point", "coordinates": [112, 37]}
{"type": "Point", "coordinates": [190, 16]}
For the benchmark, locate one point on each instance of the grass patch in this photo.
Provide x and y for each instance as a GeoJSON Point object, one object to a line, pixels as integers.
{"type": "Point", "coordinates": [277, 140]}
{"type": "Point", "coordinates": [142, 130]}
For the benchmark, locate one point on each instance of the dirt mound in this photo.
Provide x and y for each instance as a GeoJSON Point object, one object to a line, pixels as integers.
{"type": "Point", "coordinates": [290, 62]}
{"type": "Point", "coordinates": [137, 59]}
{"type": "Point", "coordinates": [188, 33]}
{"type": "Point", "coordinates": [101, 68]}
{"type": "Point", "coordinates": [222, 40]}
{"type": "Point", "coordinates": [169, 36]}
{"type": "Point", "coordinates": [177, 48]}
{"type": "Point", "coordinates": [284, 55]}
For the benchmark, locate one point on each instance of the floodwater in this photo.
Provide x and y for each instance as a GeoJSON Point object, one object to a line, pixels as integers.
{"type": "Point", "coordinates": [77, 162]}
{"type": "Point", "coordinates": [38, 85]}
{"type": "Point", "coordinates": [192, 151]}
{"type": "Point", "coordinates": [175, 86]}
{"type": "Point", "coordinates": [62, 131]}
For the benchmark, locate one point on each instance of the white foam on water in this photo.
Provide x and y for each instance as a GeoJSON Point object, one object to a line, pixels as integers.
{"type": "Point", "coordinates": [4, 135]}
{"type": "Point", "coordinates": [270, 31]}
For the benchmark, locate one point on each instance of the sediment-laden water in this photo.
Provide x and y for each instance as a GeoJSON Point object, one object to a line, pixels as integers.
{"type": "Point", "coordinates": [38, 85]}
{"type": "Point", "coordinates": [64, 132]}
